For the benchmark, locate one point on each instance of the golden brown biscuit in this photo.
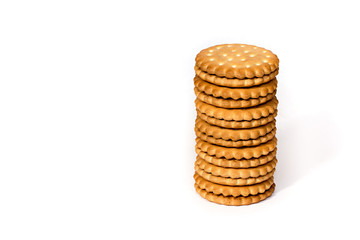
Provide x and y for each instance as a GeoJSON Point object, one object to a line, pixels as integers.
{"type": "Point", "coordinates": [236, 172]}
{"type": "Point", "coordinates": [237, 153]}
{"type": "Point", "coordinates": [234, 82]}
{"type": "Point", "coordinates": [238, 143]}
{"type": "Point", "coordinates": [233, 134]}
{"type": "Point", "coordinates": [234, 201]}
{"type": "Point", "coordinates": [237, 61]}
{"type": "Point", "coordinates": [232, 190]}
{"type": "Point", "coordinates": [232, 181]}
{"type": "Point", "coordinates": [230, 103]}
{"type": "Point", "coordinates": [237, 124]}
{"type": "Point", "coordinates": [234, 163]}
{"type": "Point", "coordinates": [235, 93]}
{"type": "Point", "coordinates": [247, 114]}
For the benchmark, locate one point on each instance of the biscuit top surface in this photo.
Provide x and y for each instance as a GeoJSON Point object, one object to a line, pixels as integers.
{"type": "Point", "coordinates": [237, 61]}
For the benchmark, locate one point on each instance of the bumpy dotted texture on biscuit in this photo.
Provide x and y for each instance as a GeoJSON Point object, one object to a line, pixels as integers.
{"type": "Point", "coordinates": [234, 191]}
{"type": "Point", "coordinates": [237, 61]}
{"type": "Point", "coordinates": [234, 82]}
{"type": "Point", "coordinates": [237, 153]}
{"type": "Point", "coordinates": [238, 143]}
{"type": "Point", "coordinates": [236, 172]}
{"type": "Point", "coordinates": [230, 103]}
{"type": "Point", "coordinates": [234, 163]}
{"type": "Point", "coordinates": [247, 114]}
{"type": "Point", "coordinates": [234, 201]}
{"type": "Point", "coordinates": [232, 181]}
{"type": "Point", "coordinates": [237, 124]}
{"type": "Point", "coordinates": [233, 134]}
{"type": "Point", "coordinates": [235, 93]}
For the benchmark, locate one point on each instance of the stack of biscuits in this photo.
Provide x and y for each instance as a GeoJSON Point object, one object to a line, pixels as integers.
{"type": "Point", "coordinates": [235, 85]}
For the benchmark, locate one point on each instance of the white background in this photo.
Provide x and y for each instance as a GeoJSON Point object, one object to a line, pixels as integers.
{"type": "Point", "coordinates": [97, 118]}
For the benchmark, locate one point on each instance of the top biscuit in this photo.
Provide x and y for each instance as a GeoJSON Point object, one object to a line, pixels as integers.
{"type": "Point", "coordinates": [237, 61]}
